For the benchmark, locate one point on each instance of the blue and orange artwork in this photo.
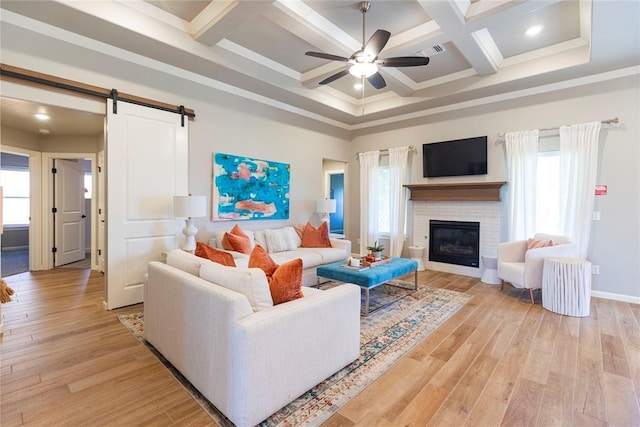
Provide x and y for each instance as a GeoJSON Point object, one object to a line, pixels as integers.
{"type": "Point", "coordinates": [246, 189]}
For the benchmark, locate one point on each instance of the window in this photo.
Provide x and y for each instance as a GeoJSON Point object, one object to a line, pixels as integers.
{"type": "Point", "coordinates": [15, 208]}
{"type": "Point", "coordinates": [548, 192]}
{"type": "Point", "coordinates": [88, 186]}
{"type": "Point", "coordinates": [384, 201]}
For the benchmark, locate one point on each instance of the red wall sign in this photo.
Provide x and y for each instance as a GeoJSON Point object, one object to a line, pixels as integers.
{"type": "Point", "coordinates": [601, 190]}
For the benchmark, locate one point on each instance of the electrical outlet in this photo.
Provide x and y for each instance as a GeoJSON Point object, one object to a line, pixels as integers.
{"type": "Point", "coordinates": [595, 269]}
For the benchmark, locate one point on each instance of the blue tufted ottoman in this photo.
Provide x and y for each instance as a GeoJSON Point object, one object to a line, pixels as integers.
{"type": "Point", "coordinates": [371, 277]}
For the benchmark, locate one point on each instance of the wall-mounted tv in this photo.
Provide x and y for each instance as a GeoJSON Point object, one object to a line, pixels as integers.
{"type": "Point", "coordinates": [458, 157]}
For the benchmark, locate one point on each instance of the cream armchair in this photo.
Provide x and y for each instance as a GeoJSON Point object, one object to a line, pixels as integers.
{"type": "Point", "coordinates": [523, 268]}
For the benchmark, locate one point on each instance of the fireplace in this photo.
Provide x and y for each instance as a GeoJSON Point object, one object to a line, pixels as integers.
{"type": "Point", "coordinates": [454, 242]}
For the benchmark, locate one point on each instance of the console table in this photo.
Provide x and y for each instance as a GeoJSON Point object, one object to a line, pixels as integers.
{"type": "Point", "coordinates": [566, 286]}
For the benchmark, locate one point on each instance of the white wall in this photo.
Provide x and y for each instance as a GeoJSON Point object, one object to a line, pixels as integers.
{"type": "Point", "coordinates": [615, 240]}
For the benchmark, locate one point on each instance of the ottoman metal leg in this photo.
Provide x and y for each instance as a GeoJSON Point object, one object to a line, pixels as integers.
{"type": "Point", "coordinates": [366, 302]}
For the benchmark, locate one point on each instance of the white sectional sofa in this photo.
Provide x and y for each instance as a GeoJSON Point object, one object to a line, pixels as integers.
{"type": "Point", "coordinates": [311, 257]}
{"type": "Point", "coordinates": [247, 363]}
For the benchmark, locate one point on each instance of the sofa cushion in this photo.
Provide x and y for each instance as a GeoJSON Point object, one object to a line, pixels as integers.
{"type": "Point", "coordinates": [184, 261]}
{"type": "Point", "coordinates": [316, 237]}
{"type": "Point", "coordinates": [328, 255]}
{"type": "Point", "coordinates": [283, 239]}
{"type": "Point", "coordinates": [215, 255]}
{"type": "Point", "coordinates": [236, 240]}
{"type": "Point", "coordinates": [251, 282]}
{"type": "Point", "coordinates": [310, 258]}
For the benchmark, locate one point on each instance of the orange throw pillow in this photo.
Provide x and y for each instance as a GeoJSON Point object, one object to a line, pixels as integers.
{"type": "Point", "coordinates": [538, 243]}
{"type": "Point", "coordinates": [285, 281]}
{"type": "Point", "coordinates": [259, 258]}
{"type": "Point", "coordinates": [236, 240]}
{"type": "Point", "coordinates": [299, 230]}
{"type": "Point", "coordinates": [215, 255]}
{"type": "Point", "coordinates": [316, 238]}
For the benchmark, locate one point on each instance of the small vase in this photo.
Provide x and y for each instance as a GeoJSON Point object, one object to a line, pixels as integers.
{"type": "Point", "coordinates": [377, 255]}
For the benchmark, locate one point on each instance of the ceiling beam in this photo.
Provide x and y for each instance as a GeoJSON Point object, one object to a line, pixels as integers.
{"type": "Point", "coordinates": [220, 19]}
{"type": "Point", "coordinates": [449, 18]}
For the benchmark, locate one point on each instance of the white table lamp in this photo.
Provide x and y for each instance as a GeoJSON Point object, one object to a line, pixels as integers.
{"type": "Point", "coordinates": [325, 207]}
{"type": "Point", "coordinates": [189, 207]}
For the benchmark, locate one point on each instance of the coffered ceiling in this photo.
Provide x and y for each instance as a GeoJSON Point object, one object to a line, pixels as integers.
{"type": "Point", "coordinates": [478, 49]}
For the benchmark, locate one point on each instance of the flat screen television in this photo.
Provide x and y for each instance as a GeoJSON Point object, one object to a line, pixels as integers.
{"type": "Point", "coordinates": [458, 157]}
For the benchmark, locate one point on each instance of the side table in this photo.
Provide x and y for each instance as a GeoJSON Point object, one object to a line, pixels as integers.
{"type": "Point", "coordinates": [490, 273]}
{"type": "Point", "coordinates": [566, 286]}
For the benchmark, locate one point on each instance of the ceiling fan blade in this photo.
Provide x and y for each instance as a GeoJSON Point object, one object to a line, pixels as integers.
{"type": "Point", "coordinates": [327, 56]}
{"type": "Point", "coordinates": [334, 77]}
{"type": "Point", "coordinates": [377, 42]}
{"type": "Point", "coordinates": [376, 81]}
{"type": "Point", "coordinates": [402, 61]}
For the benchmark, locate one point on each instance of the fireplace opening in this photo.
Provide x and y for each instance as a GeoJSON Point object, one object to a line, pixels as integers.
{"type": "Point", "coordinates": [454, 242]}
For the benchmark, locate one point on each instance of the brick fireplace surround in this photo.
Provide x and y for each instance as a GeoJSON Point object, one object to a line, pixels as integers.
{"type": "Point", "coordinates": [457, 202]}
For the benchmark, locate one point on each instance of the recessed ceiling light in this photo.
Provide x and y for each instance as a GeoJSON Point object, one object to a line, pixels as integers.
{"type": "Point", "coordinates": [44, 131]}
{"type": "Point", "coordinates": [357, 86]}
{"type": "Point", "coordinates": [41, 116]}
{"type": "Point", "coordinates": [534, 31]}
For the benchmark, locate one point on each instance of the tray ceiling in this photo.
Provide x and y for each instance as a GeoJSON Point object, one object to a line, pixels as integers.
{"type": "Point", "coordinates": [259, 46]}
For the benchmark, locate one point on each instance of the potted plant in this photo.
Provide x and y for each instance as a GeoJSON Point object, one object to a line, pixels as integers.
{"type": "Point", "coordinates": [376, 250]}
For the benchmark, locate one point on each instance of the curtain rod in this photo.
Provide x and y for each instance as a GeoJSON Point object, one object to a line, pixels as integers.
{"type": "Point", "coordinates": [33, 77]}
{"type": "Point", "coordinates": [613, 121]}
{"type": "Point", "coordinates": [386, 150]}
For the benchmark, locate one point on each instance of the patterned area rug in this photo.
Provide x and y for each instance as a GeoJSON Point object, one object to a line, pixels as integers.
{"type": "Point", "coordinates": [385, 336]}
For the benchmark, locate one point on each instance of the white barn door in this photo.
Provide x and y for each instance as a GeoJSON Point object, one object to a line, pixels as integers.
{"type": "Point", "coordinates": [146, 164]}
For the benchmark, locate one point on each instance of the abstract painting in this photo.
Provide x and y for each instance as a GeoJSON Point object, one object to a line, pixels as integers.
{"type": "Point", "coordinates": [247, 189]}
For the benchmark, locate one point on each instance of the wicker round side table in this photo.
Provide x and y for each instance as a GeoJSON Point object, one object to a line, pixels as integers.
{"type": "Point", "coordinates": [566, 286]}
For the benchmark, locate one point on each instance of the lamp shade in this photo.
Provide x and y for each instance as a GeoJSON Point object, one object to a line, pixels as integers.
{"type": "Point", "coordinates": [189, 206]}
{"type": "Point", "coordinates": [326, 205]}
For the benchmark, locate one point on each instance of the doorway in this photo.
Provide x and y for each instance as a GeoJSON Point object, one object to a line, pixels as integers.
{"type": "Point", "coordinates": [16, 218]}
{"type": "Point", "coordinates": [66, 133]}
{"type": "Point", "coordinates": [334, 188]}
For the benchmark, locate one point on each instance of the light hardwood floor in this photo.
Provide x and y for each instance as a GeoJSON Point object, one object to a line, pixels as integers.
{"type": "Point", "coordinates": [497, 361]}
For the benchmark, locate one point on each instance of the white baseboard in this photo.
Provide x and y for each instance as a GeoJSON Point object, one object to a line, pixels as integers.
{"type": "Point", "coordinates": [615, 297]}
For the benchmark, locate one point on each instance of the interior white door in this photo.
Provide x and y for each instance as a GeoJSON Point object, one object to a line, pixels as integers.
{"type": "Point", "coordinates": [146, 165]}
{"type": "Point", "coordinates": [69, 223]}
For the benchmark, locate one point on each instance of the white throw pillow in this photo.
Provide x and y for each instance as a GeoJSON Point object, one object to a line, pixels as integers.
{"type": "Point", "coordinates": [280, 240]}
{"type": "Point", "coordinates": [260, 239]}
{"type": "Point", "coordinates": [251, 282]}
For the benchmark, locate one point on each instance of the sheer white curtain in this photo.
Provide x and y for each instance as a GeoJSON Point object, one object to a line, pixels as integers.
{"type": "Point", "coordinates": [578, 172]}
{"type": "Point", "coordinates": [369, 162]}
{"type": "Point", "coordinates": [522, 161]}
{"type": "Point", "coordinates": [398, 198]}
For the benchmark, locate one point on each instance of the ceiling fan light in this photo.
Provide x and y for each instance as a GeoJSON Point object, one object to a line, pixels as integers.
{"type": "Point", "coordinates": [363, 69]}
